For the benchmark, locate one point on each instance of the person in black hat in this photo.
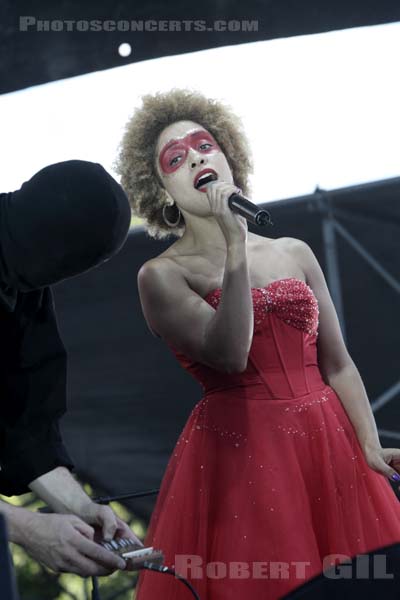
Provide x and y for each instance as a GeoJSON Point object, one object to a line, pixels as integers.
{"type": "Point", "coordinates": [66, 219]}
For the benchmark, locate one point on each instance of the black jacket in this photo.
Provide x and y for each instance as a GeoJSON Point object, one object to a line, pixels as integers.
{"type": "Point", "coordinates": [32, 391]}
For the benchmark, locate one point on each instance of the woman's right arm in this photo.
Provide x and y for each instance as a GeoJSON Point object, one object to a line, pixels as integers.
{"type": "Point", "coordinates": [218, 338]}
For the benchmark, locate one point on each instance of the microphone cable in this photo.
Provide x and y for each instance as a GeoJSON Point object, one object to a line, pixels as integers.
{"type": "Point", "coordinates": [162, 569]}
{"type": "Point", "coordinates": [149, 566]}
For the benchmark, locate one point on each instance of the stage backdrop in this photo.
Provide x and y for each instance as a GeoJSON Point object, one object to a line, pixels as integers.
{"type": "Point", "coordinates": [34, 51]}
{"type": "Point", "coordinates": [128, 397]}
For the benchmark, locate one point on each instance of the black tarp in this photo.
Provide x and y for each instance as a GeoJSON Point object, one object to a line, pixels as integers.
{"type": "Point", "coordinates": [128, 397]}
{"type": "Point", "coordinates": [36, 55]}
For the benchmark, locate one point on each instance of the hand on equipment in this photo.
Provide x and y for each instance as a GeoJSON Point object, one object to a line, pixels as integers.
{"type": "Point", "coordinates": [65, 543]}
{"type": "Point", "coordinates": [135, 557]}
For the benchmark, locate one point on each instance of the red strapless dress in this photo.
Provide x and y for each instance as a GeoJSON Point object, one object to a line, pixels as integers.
{"type": "Point", "coordinates": [267, 479]}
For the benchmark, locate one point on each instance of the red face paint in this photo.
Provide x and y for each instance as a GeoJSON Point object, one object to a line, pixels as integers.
{"type": "Point", "coordinates": [174, 153]}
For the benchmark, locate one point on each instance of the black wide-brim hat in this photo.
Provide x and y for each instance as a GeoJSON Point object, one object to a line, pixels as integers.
{"type": "Point", "coordinates": [66, 219]}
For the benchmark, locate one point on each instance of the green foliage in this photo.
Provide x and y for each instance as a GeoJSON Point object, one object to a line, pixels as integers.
{"type": "Point", "coordinates": [36, 582]}
{"type": "Point", "coordinates": [136, 221]}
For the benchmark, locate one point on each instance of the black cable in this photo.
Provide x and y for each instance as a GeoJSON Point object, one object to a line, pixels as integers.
{"type": "Point", "coordinates": [150, 567]}
{"type": "Point", "coordinates": [162, 569]}
{"type": "Point", "coordinates": [108, 499]}
{"type": "Point", "coordinates": [95, 589]}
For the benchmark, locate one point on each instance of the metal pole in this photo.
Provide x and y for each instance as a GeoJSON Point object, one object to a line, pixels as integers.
{"type": "Point", "coordinates": [331, 256]}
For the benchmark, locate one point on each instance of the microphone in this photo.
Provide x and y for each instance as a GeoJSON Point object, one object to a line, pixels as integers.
{"type": "Point", "coordinates": [250, 211]}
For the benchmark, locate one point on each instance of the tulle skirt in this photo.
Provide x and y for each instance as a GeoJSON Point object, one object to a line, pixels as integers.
{"type": "Point", "coordinates": [260, 495]}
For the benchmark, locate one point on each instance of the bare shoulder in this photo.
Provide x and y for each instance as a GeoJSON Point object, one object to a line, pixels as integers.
{"type": "Point", "coordinates": [282, 243]}
{"type": "Point", "coordinates": [308, 262]}
{"type": "Point", "coordinates": [290, 243]}
{"type": "Point", "coordinates": [302, 255]}
{"type": "Point", "coordinates": [287, 245]}
{"type": "Point", "coordinates": [298, 248]}
{"type": "Point", "coordinates": [161, 286]}
{"type": "Point", "coordinates": [158, 273]}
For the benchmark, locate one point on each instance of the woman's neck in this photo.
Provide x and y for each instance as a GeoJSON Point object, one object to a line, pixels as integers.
{"type": "Point", "coordinates": [202, 236]}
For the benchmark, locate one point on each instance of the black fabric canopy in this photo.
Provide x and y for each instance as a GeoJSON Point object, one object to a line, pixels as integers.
{"type": "Point", "coordinates": [31, 54]}
{"type": "Point", "coordinates": [128, 397]}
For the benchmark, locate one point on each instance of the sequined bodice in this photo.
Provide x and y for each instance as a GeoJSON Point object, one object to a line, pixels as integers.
{"type": "Point", "coordinates": [291, 299]}
{"type": "Point", "coordinates": [283, 354]}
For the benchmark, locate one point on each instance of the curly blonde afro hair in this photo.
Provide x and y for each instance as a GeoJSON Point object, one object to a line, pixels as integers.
{"type": "Point", "coordinates": [136, 160]}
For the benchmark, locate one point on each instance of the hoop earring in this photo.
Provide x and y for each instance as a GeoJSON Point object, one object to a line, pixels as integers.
{"type": "Point", "coordinates": [168, 222]}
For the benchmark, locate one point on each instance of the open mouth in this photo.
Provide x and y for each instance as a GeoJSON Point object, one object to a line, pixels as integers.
{"type": "Point", "coordinates": [205, 177]}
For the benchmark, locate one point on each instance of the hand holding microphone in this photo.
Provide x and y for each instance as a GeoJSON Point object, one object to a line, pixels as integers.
{"type": "Point", "coordinates": [250, 211]}
{"type": "Point", "coordinates": [242, 206]}
{"type": "Point", "coordinates": [233, 226]}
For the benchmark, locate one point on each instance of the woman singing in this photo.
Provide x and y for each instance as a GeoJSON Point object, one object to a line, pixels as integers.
{"type": "Point", "coordinates": [279, 466]}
